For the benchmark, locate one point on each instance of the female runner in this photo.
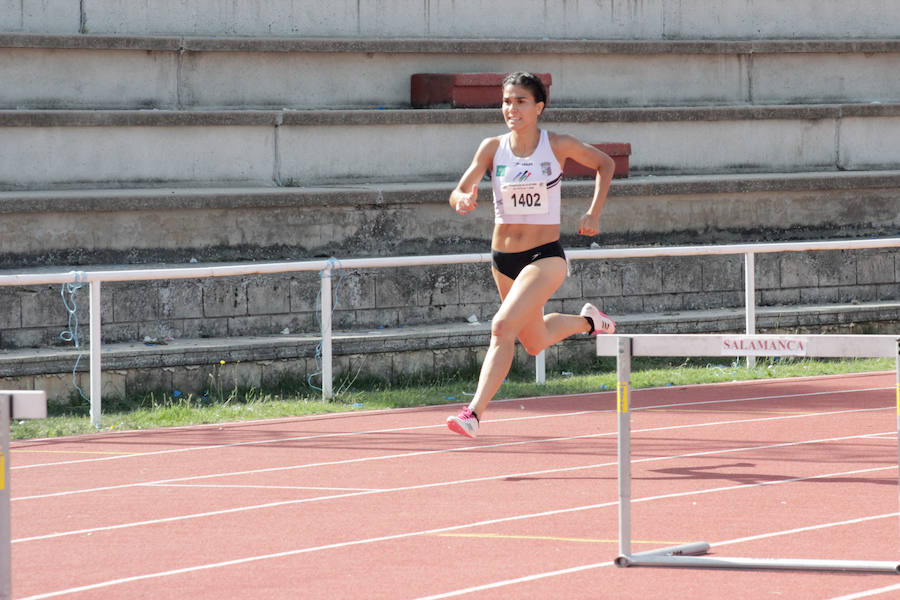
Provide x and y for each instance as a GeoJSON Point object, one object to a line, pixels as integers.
{"type": "Point", "coordinates": [529, 263]}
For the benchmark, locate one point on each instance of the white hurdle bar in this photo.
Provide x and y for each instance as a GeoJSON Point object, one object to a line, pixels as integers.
{"type": "Point", "coordinates": [623, 347]}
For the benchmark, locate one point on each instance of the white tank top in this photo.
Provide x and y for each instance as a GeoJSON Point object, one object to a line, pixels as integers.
{"type": "Point", "coordinates": [526, 190]}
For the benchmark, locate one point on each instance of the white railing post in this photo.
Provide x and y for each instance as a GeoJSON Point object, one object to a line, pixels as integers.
{"type": "Point", "coordinates": [540, 368]}
{"type": "Point", "coordinates": [750, 299]}
{"type": "Point", "coordinates": [96, 352]}
{"type": "Point", "coordinates": [327, 392]}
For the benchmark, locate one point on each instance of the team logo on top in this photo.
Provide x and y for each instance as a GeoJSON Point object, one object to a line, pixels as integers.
{"type": "Point", "coordinates": [545, 168]}
{"type": "Point", "coordinates": [501, 169]}
{"type": "Point", "coordinates": [522, 176]}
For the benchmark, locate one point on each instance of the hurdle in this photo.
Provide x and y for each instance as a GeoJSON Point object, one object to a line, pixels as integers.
{"type": "Point", "coordinates": [624, 347]}
{"type": "Point", "coordinates": [27, 404]}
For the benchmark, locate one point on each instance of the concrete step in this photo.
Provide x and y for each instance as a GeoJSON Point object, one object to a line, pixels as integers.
{"type": "Point", "coordinates": [176, 225]}
{"type": "Point", "coordinates": [212, 364]}
{"type": "Point", "coordinates": [502, 19]}
{"type": "Point", "coordinates": [171, 72]}
{"type": "Point", "coordinates": [306, 148]}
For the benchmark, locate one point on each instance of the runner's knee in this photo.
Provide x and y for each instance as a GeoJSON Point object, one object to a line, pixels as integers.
{"type": "Point", "coordinates": [502, 329]}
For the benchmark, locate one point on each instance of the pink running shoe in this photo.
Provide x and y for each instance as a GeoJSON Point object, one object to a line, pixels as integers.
{"type": "Point", "coordinates": [602, 323]}
{"type": "Point", "coordinates": [465, 424]}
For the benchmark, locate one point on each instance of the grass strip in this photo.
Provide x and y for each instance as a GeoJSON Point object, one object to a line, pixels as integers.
{"type": "Point", "coordinates": [296, 398]}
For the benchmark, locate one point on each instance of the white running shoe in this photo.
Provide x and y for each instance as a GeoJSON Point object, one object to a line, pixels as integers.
{"type": "Point", "coordinates": [602, 323]}
{"type": "Point", "coordinates": [465, 424]}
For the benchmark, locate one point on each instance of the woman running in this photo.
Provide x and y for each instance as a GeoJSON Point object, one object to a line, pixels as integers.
{"type": "Point", "coordinates": [529, 263]}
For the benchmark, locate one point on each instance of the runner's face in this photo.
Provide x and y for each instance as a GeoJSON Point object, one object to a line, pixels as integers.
{"type": "Point", "coordinates": [519, 108]}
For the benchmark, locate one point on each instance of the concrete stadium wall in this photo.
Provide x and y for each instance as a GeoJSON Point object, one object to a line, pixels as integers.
{"type": "Point", "coordinates": [44, 149]}
{"type": "Point", "coordinates": [99, 72]}
{"type": "Point", "coordinates": [592, 19]}
{"type": "Point", "coordinates": [109, 227]}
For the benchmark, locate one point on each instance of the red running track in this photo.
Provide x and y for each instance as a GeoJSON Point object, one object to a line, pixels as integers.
{"type": "Point", "coordinates": [390, 504]}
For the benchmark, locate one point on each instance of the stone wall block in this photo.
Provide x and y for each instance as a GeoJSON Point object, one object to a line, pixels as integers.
{"type": "Point", "coordinates": [661, 303]}
{"type": "Point", "coordinates": [767, 274]}
{"type": "Point", "coordinates": [820, 295]}
{"type": "Point", "coordinates": [700, 301]}
{"type": "Point", "coordinates": [378, 365]}
{"type": "Point", "coordinates": [433, 315]}
{"type": "Point", "coordinates": [412, 363]}
{"type": "Point", "coordinates": [60, 387]}
{"type": "Point", "coordinates": [622, 305]}
{"type": "Point", "coordinates": [642, 276]}
{"type": "Point", "coordinates": [780, 297]}
{"type": "Point", "coordinates": [855, 294]}
{"type": "Point", "coordinates": [570, 288]}
{"type": "Point", "coordinates": [30, 337]}
{"type": "Point", "coordinates": [114, 384]}
{"type": "Point", "coordinates": [367, 319]}
{"type": "Point", "coordinates": [10, 308]}
{"type": "Point", "coordinates": [268, 295]}
{"type": "Point", "coordinates": [305, 288]}
{"type": "Point", "coordinates": [225, 297]}
{"type": "Point", "coordinates": [721, 273]}
{"type": "Point", "coordinates": [205, 328]}
{"type": "Point", "coordinates": [396, 287]}
{"type": "Point", "coordinates": [181, 298]}
{"type": "Point", "coordinates": [353, 289]}
{"type": "Point", "coordinates": [599, 278]}
{"type": "Point", "coordinates": [836, 267]}
{"type": "Point", "coordinates": [132, 302]}
{"type": "Point", "coordinates": [117, 332]}
{"type": "Point", "coordinates": [261, 325]}
{"type": "Point", "coordinates": [476, 284]}
{"type": "Point", "coordinates": [876, 267]}
{"type": "Point", "coordinates": [798, 270]}
{"type": "Point", "coordinates": [682, 274]}
{"type": "Point", "coordinates": [238, 375]}
{"type": "Point", "coordinates": [161, 329]}
{"type": "Point", "coordinates": [450, 360]}
{"type": "Point", "coordinates": [887, 292]}
{"type": "Point", "coordinates": [149, 380]}
{"type": "Point", "coordinates": [191, 379]}
{"type": "Point", "coordinates": [438, 285]}
{"type": "Point", "coordinates": [42, 306]}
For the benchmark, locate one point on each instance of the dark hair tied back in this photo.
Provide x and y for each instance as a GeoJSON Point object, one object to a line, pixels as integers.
{"type": "Point", "coordinates": [530, 82]}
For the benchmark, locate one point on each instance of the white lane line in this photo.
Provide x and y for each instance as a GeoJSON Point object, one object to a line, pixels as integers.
{"type": "Point", "coordinates": [488, 522]}
{"type": "Point", "coordinates": [480, 447]}
{"type": "Point", "coordinates": [451, 483]}
{"type": "Point", "coordinates": [262, 487]}
{"type": "Point", "coordinates": [317, 436]}
{"type": "Point", "coordinates": [537, 576]}
{"type": "Point", "coordinates": [438, 426]}
{"type": "Point", "coordinates": [870, 593]}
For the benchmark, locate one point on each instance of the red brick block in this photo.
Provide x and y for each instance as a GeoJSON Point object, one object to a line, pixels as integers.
{"type": "Point", "coordinates": [461, 90]}
{"type": "Point", "coordinates": [618, 151]}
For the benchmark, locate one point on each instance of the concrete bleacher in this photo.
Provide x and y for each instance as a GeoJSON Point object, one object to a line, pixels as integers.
{"type": "Point", "coordinates": [168, 131]}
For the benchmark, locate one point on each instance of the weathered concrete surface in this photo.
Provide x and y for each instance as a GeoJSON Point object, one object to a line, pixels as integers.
{"type": "Point", "coordinates": [600, 19]}
{"type": "Point", "coordinates": [166, 72]}
{"type": "Point", "coordinates": [113, 156]}
{"type": "Point", "coordinates": [175, 225]}
{"type": "Point", "coordinates": [44, 149]}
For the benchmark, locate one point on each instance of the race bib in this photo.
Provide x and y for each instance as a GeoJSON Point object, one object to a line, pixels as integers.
{"type": "Point", "coordinates": [529, 198]}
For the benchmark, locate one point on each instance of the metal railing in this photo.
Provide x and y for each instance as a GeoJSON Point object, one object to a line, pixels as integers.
{"type": "Point", "coordinates": [326, 268]}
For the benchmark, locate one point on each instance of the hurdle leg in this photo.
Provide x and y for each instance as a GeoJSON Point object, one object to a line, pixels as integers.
{"type": "Point", "coordinates": [623, 383]}
{"type": "Point", "coordinates": [5, 549]}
